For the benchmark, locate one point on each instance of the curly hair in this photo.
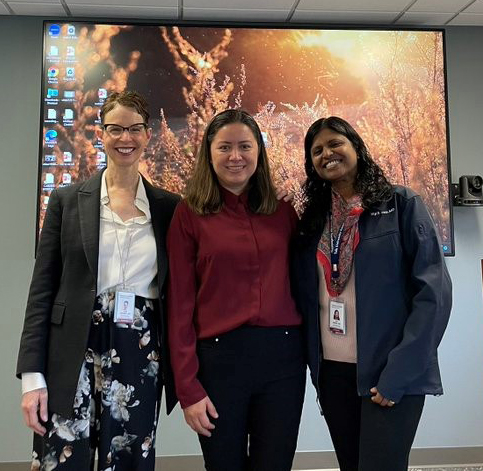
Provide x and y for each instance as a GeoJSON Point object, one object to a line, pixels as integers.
{"type": "Point", "coordinates": [370, 181]}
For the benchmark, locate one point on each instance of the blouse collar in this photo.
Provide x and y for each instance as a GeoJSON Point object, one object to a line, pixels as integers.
{"type": "Point", "coordinates": [231, 200]}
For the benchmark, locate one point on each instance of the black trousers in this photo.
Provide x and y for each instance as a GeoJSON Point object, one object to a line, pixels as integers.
{"type": "Point", "coordinates": [255, 377]}
{"type": "Point", "coordinates": [366, 436]}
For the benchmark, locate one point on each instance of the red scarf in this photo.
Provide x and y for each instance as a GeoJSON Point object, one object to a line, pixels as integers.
{"type": "Point", "coordinates": [346, 213]}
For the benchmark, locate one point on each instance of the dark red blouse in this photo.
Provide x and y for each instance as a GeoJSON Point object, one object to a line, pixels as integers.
{"type": "Point", "coordinates": [226, 270]}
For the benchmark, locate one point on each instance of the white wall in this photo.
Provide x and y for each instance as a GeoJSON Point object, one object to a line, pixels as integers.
{"type": "Point", "coordinates": [452, 420]}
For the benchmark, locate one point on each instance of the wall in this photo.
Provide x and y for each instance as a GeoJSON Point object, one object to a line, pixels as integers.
{"type": "Point", "coordinates": [449, 421]}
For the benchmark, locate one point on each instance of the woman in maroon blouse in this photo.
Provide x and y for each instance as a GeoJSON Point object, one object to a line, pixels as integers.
{"type": "Point", "coordinates": [234, 331]}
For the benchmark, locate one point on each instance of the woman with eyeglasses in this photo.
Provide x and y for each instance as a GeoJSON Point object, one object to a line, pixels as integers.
{"type": "Point", "coordinates": [93, 356]}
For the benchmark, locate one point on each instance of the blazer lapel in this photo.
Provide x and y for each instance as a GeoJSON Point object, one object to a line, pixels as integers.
{"type": "Point", "coordinates": [88, 199]}
{"type": "Point", "coordinates": [160, 226]}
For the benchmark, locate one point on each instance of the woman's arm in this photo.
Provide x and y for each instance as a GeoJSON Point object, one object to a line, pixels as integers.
{"type": "Point", "coordinates": [34, 341]}
{"type": "Point", "coordinates": [43, 288]}
{"type": "Point", "coordinates": [430, 290]}
{"type": "Point", "coordinates": [182, 252]}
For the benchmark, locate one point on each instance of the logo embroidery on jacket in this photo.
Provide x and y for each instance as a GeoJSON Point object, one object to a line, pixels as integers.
{"type": "Point", "coordinates": [387, 211]}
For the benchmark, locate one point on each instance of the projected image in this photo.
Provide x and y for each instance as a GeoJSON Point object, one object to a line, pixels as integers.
{"type": "Point", "coordinates": [389, 84]}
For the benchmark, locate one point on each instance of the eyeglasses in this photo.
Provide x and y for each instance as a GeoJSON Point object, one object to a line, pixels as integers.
{"type": "Point", "coordinates": [114, 130]}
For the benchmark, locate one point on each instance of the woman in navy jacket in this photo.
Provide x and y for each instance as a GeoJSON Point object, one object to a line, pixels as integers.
{"type": "Point", "coordinates": [370, 248]}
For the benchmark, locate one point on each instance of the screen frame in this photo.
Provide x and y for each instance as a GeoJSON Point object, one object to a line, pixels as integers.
{"type": "Point", "coordinates": [234, 25]}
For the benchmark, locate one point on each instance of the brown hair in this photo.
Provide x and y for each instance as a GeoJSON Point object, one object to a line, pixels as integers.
{"type": "Point", "coordinates": [202, 192]}
{"type": "Point", "coordinates": [131, 99]}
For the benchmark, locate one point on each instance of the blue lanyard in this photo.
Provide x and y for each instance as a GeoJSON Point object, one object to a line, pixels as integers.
{"type": "Point", "coordinates": [335, 248]}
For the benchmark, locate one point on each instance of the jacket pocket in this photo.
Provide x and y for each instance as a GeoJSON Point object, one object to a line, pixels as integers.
{"type": "Point", "coordinates": [57, 315]}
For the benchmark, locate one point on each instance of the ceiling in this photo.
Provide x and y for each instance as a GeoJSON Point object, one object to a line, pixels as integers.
{"type": "Point", "coordinates": [371, 12]}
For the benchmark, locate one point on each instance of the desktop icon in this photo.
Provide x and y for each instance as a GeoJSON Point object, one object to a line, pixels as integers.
{"type": "Point", "coordinates": [50, 159]}
{"type": "Point", "coordinates": [71, 30]}
{"type": "Point", "coordinates": [69, 93]}
{"type": "Point", "coordinates": [49, 179]}
{"type": "Point", "coordinates": [54, 31]}
{"type": "Point", "coordinates": [50, 135]}
{"type": "Point", "coordinates": [54, 51]}
{"type": "Point", "coordinates": [46, 200]}
{"type": "Point", "coordinates": [101, 157]}
{"type": "Point", "coordinates": [66, 178]}
{"type": "Point", "coordinates": [51, 114]}
{"type": "Point", "coordinates": [52, 92]}
{"type": "Point", "coordinates": [68, 114]}
{"type": "Point", "coordinates": [67, 156]}
{"type": "Point", "coordinates": [70, 72]}
{"type": "Point", "coordinates": [102, 93]}
{"type": "Point", "coordinates": [70, 51]}
{"type": "Point", "coordinates": [52, 72]}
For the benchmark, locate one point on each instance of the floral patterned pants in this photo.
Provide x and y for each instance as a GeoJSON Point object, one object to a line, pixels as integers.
{"type": "Point", "coordinates": [116, 404]}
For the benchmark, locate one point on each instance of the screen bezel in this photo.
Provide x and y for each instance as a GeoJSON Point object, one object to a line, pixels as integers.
{"type": "Point", "coordinates": [234, 25]}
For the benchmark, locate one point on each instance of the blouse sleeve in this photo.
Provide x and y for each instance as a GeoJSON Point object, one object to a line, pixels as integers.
{"type": "Point", "coordinates": [182, 252]}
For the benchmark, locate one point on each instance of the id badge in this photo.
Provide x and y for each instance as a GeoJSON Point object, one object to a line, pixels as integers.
{"type": "Point", "coordinates": [337, 318]}
{"type": "Point", "coordinates": [124, 306]}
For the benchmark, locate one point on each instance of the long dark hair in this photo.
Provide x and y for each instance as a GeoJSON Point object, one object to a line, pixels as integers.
{"type": "Point", "coordinates": [370, 181]}
{"type": "Point", "coordinates": [202, 192]}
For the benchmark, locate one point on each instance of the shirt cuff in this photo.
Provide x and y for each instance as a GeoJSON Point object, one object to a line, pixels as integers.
{"type": "Point", "coordinates": [32, 381]}
{"type": "Point", "coordinates": [193, 394]}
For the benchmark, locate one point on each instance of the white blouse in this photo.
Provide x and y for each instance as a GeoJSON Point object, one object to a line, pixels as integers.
{"type": "Point", "coordinates": [135, 238]}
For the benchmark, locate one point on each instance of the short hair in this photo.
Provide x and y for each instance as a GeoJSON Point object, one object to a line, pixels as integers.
{"type": "Point", "coordinates": [202, 192]}
{"type": "Point", "coordinates": [130, 99]}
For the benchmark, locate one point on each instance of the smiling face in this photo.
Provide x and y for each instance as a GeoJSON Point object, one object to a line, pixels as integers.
{"type": "Point", "coordinates": [126, 149]}
{"type": "Point", "coordinates": [334, 158]}
{"type": "Point", "coordinates": [234, 155]}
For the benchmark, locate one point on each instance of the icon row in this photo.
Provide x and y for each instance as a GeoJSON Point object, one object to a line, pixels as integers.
{"type": "Point", "coordinates": [67, 116]}
{"type": "Point", "coordinates": [53, 52]}
{"type": "Point", "coordinates": [55, 30]}
{"type": "Point", "coordinates": [53, 94]}
{"type": "Point", "coordinates": [53, 72]}
{"type": "Point", "coordinates": [51, 159]}
{"type": "Point", "coordinates": [50, 179]}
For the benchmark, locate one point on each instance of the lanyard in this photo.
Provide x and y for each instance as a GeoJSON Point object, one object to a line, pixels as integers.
{"type": "Point", "coordinates": [127, 241]}
{"type": "Point", "coordinates": [335, 248]}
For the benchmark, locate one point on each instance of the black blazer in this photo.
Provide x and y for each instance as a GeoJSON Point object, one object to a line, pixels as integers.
{"type": "Point", "coordinates": [64, 285]}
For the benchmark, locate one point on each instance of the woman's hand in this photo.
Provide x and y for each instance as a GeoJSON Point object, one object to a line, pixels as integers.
{"type": "Point", "coordinates": [197, 418]}
{"type": "Point", "coordinates": [284, 194]}
{"type": "Point", "coordinates": [381, 400]}
{"type": "Point", "coordinates": [35, 403]}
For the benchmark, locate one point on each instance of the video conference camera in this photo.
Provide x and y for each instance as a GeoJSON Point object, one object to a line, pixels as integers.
{"type": "Point", "coordinates": [469, 191]}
